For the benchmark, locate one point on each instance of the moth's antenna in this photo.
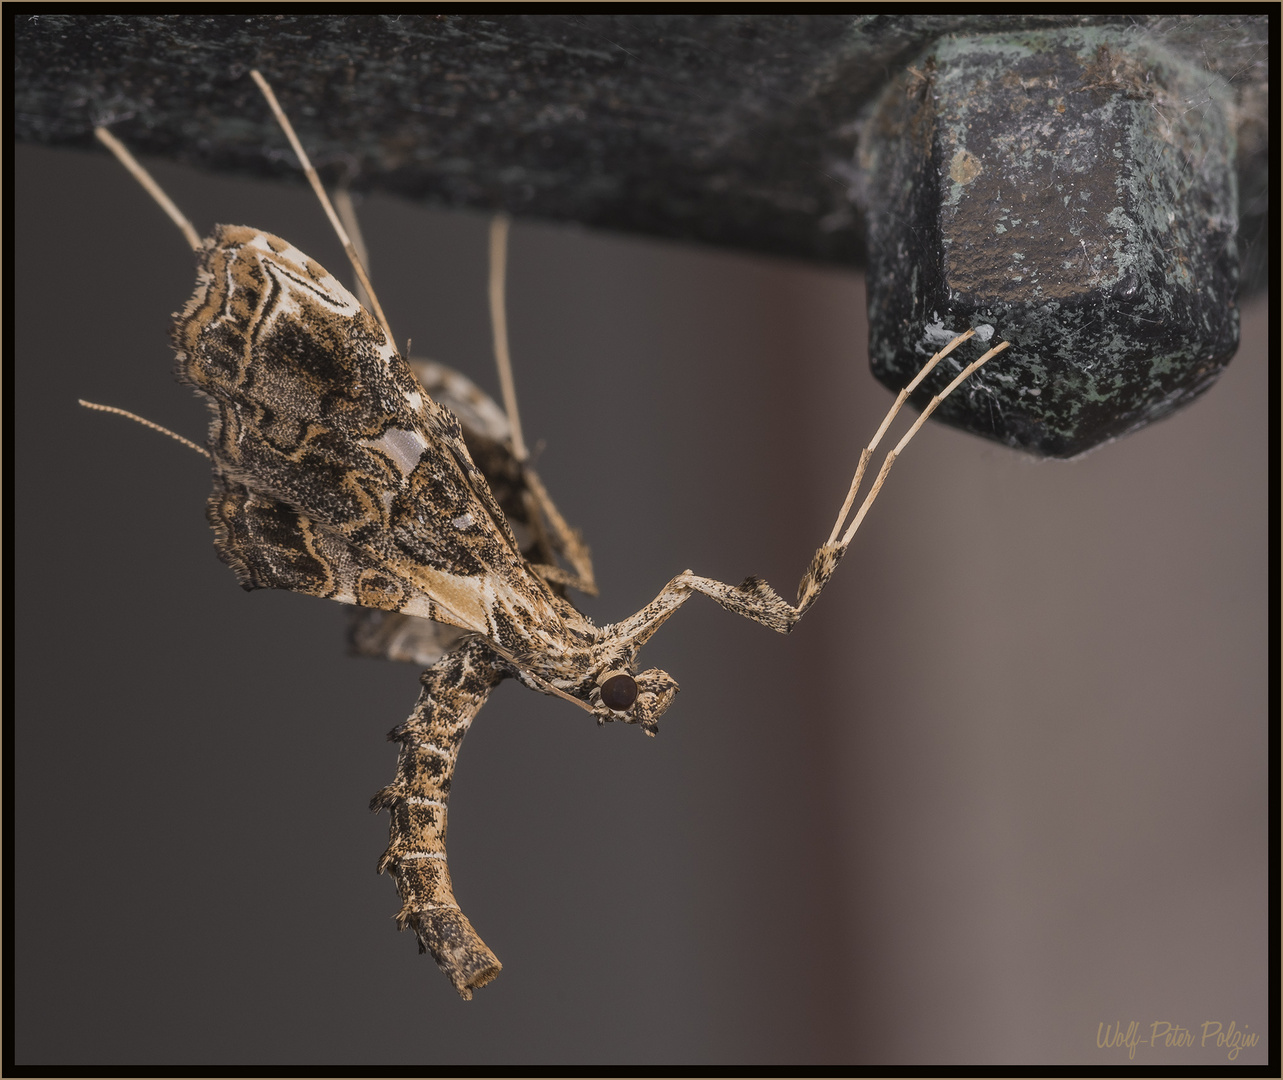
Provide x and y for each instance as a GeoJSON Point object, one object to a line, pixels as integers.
{"type": "Point", "coordinates": [145, 423]}
{"type": "Point", "coordinates": [315, 181]}
{"type": "Point", "coordinates": [149, 185]}
{"type": "Point", "coordinates": [347, 214]}
{"type": "Point", "coordinates": [499, 324]}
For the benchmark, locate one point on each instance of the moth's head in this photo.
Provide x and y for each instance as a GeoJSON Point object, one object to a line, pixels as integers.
{"type": "Point", "coordinates": [633, 699]}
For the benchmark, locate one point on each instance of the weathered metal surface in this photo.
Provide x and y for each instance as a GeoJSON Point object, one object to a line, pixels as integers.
{"type": "Point", "coordinates": [1075, 191]}
{"type": "Point", "coordinates": [728, 129]}
{"type": "Point", "coordinates": [736, 130]}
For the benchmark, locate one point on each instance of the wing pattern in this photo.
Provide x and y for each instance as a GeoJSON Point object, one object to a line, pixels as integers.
{"type": "Point", "coordinates": [541, 534]}
{"type": "Point", "coordinates": [337, 474]}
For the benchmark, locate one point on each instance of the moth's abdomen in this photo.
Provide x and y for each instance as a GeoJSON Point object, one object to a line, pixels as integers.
{"type": "Point", "coordinates": [454, 689]}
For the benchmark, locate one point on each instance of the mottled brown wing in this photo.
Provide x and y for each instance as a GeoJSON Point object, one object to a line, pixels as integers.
{"type": "Point", "coordinates": [488, 437]}
{"type": "Point", "coordinates": [390, 635]}
{"type": "Point", "coordinates": [541, 534]}
{"type": "Point", "coordinates": [337, 475]}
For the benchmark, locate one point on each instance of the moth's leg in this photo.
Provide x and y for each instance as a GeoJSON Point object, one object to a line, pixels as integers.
{"type": "Point", "coordinates": [564, 540]}
{"type": "Point", "coordinates": [499, 326]}
{"type": "Point", "coordinates": [754, 598]}
{"type": "Point", "coordinates": [346, 210]}
{"type": "Point", "coordinates": [900, 399]}
{"type": "Point", "coordinates": [454, 689]}
{"type": "Point", "coordinates": [638, 629]}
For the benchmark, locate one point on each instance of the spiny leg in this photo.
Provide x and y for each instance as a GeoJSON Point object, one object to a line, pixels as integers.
{"type": "Point", "coordinates": [754, 598]}
{"type": "Point", "coordinates": [347, 214]}
{"type": "Point", "coordinates": [346, 210]}
{"type": "Point", "coordinates": [828, 555]}
{"type": "Point", "coordinates": [499, 326]}
{"type": "Point", "coordinates": [564, 540]}
{"type": "Point", "coordinates": [454, 689]}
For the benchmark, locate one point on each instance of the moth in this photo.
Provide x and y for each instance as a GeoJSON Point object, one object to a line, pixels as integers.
{"type": "Point", "coordinates": [342, 470]}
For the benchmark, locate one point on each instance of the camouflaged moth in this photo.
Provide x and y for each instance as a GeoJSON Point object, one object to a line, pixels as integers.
{"type": "Point", "coordinates": [344, 470]}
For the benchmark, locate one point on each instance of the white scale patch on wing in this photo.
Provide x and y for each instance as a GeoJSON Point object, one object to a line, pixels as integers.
{"type": "Point", "coordinates": [415, 400]}
{"type": "Point", "coordinates": [403, 446]}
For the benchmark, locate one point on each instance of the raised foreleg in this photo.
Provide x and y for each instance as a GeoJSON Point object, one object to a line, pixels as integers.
{"type": "Point", "coordinates": [454, 689]}
{"type": "Point", "coordinates": [754, 598]}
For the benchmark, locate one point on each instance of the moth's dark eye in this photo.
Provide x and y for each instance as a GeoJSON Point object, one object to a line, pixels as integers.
{"type": "Point", "coordinates": [619, 692]}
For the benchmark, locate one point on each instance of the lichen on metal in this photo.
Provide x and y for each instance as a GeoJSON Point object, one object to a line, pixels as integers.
{"type": "Point", "coordinates": [1076, 190]}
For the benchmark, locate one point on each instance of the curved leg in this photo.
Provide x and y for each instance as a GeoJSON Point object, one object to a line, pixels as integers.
{"type": "Point", "coordinates": [454, 689]}
{"type": "Point", "coordinates": [564, 540]}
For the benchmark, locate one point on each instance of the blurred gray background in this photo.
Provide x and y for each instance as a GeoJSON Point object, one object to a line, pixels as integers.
{"type": "Point", "coordinates": [1006, 783]}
